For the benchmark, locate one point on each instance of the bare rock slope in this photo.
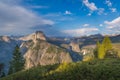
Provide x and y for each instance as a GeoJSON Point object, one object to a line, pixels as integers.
{"type": "Point", "coordinates": [39, 52]}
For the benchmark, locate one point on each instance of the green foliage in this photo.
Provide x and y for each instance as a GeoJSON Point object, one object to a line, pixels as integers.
{"type": "Point", "coordinates": [2, 74]}
{"type": "Point", "coordinates": [54, 49]}
{"type": "Point", "coordinates": [96, 49]}
{"type": "Point", "coordinates": [59, 50]}
{"type": "Point", "coordinates": [36, 73]}
{"type": "Point", "coordinates": [88, 57]}
{"type": "Point", "coordinates": [107, 43]}
{"type": "Point", "coordinates": [1, 67]}
{"type": "Point", "coordinates": [103, 50]}
{"type": "Point", "coordinates": [51, 49]}
{"type": "Point", "coordinates": [112, 54]}
{"type": "Point", "coordinates": [105, 69]}
{"type": "Point", "coordinates": [17, 62]}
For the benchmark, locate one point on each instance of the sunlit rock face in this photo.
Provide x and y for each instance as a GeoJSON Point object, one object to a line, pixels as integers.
{"type": "Point", "coordinates": [40, 35]}
{"type": "Point", "coordinates": [37, 35]}
{"type": "Point", "coordinates": [5, 38]}
{"type": "Point", "coordinates": [37, 51]}
{"type": "Point", "coordinates": [44, 53]}
{"type": "Point", "coordinates": [75, 47]}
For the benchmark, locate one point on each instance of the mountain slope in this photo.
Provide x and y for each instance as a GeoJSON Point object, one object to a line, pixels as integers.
{"type": "Point", "coordinates": [40, 52]}
{"type": "Point", "coordinates": [35, 49]}
{"type": "Point", "coordinates": [6, 48]}
{"type": "Point", "coordinates": [36, 35]}
{"type": "Point", "coordinates": [107, 69]}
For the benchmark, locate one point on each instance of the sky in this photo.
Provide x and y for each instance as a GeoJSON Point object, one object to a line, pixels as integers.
{"type": "Point", "coordinates": [60, 17]}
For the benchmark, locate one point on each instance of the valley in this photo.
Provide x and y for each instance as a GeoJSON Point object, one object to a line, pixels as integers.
{"type": "Point", "coordinates": [40, 50]}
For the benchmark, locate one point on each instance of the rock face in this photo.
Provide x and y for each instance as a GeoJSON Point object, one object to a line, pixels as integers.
{"type": "Point", "coordinates": [75, 47]}
{"type": "Point", "coordinates": [43, 53]}
{"type": "Point", "coordinates": [37, 51]}
{"type": "Point", "coordinates": [34, 36]}
{"type": "Point", "coordinates": [5, 38]}
{"type": "Point", "coordinates": [40, 35]}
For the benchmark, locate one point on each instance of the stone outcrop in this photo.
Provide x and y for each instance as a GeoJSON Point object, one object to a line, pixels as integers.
{"type": "Point", "coordinates": [44, 53]}
{"type": "Point", "coordinates": [37, 35]}
{"type": "Point", "coordinates": [37, 51]}
{"type": "Point", "coordinates": [75, 47]}
{"type": "Point", "coordinates": [5, 38]}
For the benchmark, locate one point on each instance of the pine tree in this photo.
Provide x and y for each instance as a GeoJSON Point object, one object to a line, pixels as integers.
{"type": "Point", "coordinates": [107, 43]}
{"type": "Point", "coordinates": [102, 49]}
{"type": "Point", "coordinates": [101, 52]}
{"type": "Point", "coordinates": [2, 74]}
{"type": "Point", "coordinates": [1, 69]}
{"type": "Point", "coordinates": [17, 62]}
{"type": "Point", "coordinates": [96, 49]}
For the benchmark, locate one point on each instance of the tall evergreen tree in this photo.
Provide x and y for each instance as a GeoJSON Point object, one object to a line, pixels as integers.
{"type": "Point", "coordinates": [102, 49]}
{"type": "Point", "coordinates": [96, 49]}
{"type": "Point", "coordinates": [101, 52]}
{"type": "Point", "coordinates": [1, 69]}
{"type": "Point", "coordinates": [107, 43]}
{"type": "Point", "coordinates": [17, 62]}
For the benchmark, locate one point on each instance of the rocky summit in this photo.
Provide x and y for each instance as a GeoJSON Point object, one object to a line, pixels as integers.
{"type": "Point", "coordinates": [35, 48]}
{"type": "Point", "coordinates": [40, 52]}
{"type": "Point", "coordinates": [37, 35]}
{"type": "Point", "coordinates": [43, 53]}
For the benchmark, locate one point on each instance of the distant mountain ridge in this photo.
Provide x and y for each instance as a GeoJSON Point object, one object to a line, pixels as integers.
{"type": "Point", "coordinates": [39, 49]}
{"type": "Point", "coordinates": [33, 36]}
{"type": "Point", "coordinates": [35, 49]}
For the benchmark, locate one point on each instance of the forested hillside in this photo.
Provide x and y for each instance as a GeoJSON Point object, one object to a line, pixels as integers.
{"type": "Point", "coordinates": [106, 69]}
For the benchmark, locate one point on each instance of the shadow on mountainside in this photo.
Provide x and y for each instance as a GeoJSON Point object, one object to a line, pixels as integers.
{"type": "Point", "coordinates": [75, 56]}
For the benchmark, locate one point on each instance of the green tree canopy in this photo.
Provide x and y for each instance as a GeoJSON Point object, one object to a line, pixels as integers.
{"type": "Point", "coordinates": [1, 69]}
{"type": "Point", "coordinates": [101, 52]}
{"type": "Point", "coordinates": [17, 62]}
{"type": "Point", "coordinates": [102, 49]}
{"type": "Point", "coordinates": [96, 49]}
{"type": "Point", "coordinates": [107, 43]}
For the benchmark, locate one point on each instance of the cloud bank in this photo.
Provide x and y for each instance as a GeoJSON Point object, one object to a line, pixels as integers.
{"type": "Point", "coordinates": [114, 24]}
{"type": "Point", "coordinates": [80, 32]}
{"type": "Point", "coordinates": [15, 19]}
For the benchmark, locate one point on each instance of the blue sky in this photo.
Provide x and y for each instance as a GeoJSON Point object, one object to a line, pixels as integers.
{"type": "Point", "coordinates": [59, 17]}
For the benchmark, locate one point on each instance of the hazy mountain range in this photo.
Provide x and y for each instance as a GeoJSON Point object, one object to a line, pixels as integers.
{"type": "Point", "coordinates": [38, 49]}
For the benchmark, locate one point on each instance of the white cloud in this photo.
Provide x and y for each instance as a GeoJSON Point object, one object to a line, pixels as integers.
{"type": "Point", "coordinates": [101, 11]}
{"type": "Point", "coordinates": [108, 2]}
{"type": "Point", "coordinates": [67, 12]}
{"type": "Point", "coordinates": [89, 14]}
{"type": "Point", "coordinates": [81, 31]}
{"type": "Point", "coordinates": [38, 7]}
{"type": "Point", "coordinates": [113, 24]}
{"type": "Point", "coordinates": [86, 25]}
{"type": "Point", "coordinates": [17, 19]}
{"type": "Point", "coordinates": [15, 2]}
{"type": "Point", "coordinates": [113, 9]}
{"type": "Point", "coordinates": [100, 25]}
{"type": "Point", "coordinates": [58, 17]}
{"type": "Point", "coordinates": [91, 5]}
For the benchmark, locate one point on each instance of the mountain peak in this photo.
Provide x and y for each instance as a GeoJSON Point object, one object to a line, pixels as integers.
{"type": "Point", "coordinates": [5, 38]}
{"type": "Point", "coordinates": [40, 35]}
{"type": "Point", "coordinates": [34, 36]}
